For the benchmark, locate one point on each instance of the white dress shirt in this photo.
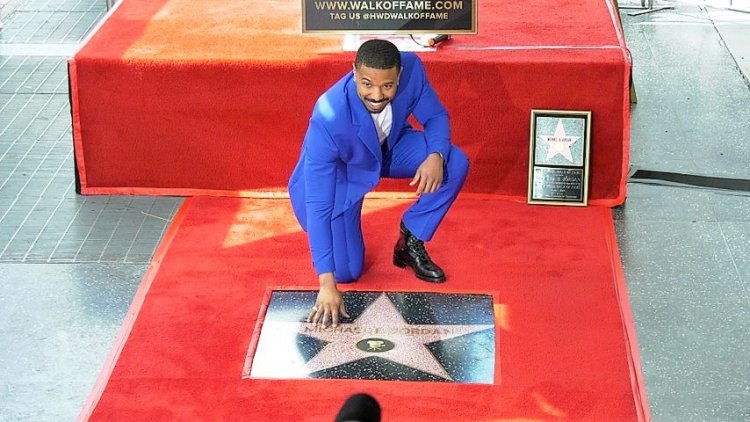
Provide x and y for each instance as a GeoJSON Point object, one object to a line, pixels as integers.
{"type": "Point", "coordinates": [383, 122]}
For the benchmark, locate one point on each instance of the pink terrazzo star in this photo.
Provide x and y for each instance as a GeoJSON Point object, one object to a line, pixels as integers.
{"type": "Point", "coordinates": [380, 331]}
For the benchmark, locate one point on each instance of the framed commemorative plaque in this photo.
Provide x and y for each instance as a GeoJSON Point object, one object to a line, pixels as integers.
{"type": "Point", "coordinates": [559, 157]}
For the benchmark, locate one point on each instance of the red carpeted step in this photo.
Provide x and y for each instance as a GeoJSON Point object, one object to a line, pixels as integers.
{"type": "Point", "coordinates": [184, 96]}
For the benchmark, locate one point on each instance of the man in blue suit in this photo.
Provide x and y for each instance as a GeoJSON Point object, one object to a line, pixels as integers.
{"type": "Point", "coordinates": [358, 133]}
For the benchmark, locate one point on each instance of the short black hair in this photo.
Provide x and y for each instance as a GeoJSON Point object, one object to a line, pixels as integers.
{"type": "Point", "coordinates": [378, 54]}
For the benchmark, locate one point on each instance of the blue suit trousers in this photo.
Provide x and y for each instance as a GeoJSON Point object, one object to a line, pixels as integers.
{"type": "Point", "coordinates": [422, 218]}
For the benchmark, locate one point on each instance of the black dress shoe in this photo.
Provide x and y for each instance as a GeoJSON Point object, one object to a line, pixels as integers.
{"type": "Point", "coordinates": [410, 251]}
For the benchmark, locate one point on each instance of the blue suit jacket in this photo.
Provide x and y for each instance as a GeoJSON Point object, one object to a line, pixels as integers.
{"type": "Point", "coordinates": [341, 158]}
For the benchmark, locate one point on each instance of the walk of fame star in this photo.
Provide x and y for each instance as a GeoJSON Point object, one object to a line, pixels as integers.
{"type": "Point", "coordinates": [379, 332]}
{"type": "Point", "coordinates": [559, 143]}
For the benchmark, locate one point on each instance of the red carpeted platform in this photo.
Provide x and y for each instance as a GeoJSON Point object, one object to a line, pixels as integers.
{"type": "Point", "coordinates": [195, 96]}
{"type": "Point", "coordinates": [565, 346]}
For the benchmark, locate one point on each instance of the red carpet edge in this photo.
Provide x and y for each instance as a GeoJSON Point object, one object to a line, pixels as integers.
{"type": "Point", "coordinates": [132, 314]}
{"type": "Point", "coordinates": [266, 194]}
{"type": "Point", "coordinates": [628, 322]}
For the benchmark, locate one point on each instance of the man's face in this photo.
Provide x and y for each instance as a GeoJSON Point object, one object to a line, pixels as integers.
{"type": "Point", "coordinates": [376, 87]}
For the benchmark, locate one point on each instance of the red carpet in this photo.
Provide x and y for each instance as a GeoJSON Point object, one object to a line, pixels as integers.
{"type": "Point", "coordinates": [565, 342]}
{"type": "Point", "coordinates": [190, 96]}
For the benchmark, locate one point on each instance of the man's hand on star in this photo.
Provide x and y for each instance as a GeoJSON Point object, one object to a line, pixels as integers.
{"type": "Point", "coordinates": [329, 305]}
{"type": "Point", "coordinates": [429, 175]}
